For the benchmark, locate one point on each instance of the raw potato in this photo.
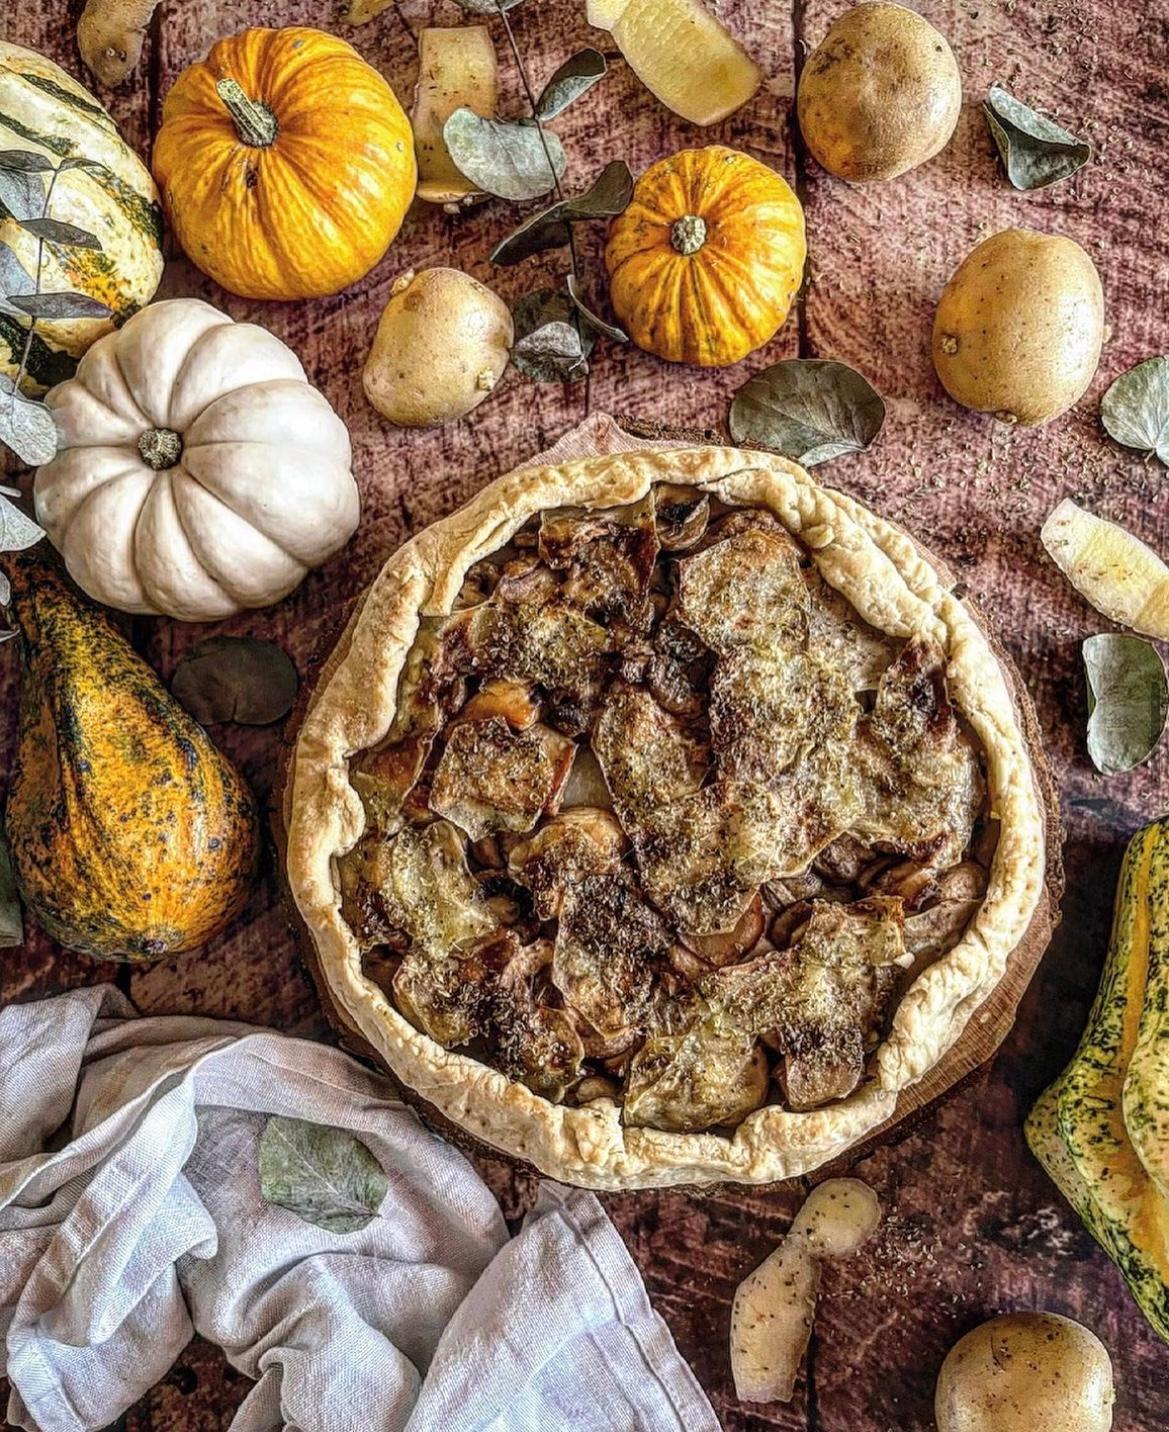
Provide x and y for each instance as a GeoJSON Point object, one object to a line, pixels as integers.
{"type": "Point", "coordinates": [457, 68]}
{"type": "Point", "coordinates": [684, 56]}
{"type": "Point", "coordinates": [771, 1322]}
{"type": "Point", "coordinates": [1110, 568]}
{"type": "Point", "coordinates": [1019, 327]}
{"type": "Point", "coordinates": [1026, 1372]}
{"type": "Point", "coordinates": [604, 14]}
{"type": "Point", "coordinates": [110, 34]}
{"type": "Point", "coordinates": [880, 94]}
{"type": "Point", "coordinates": [442, 344]}
{"type": "Point", "coordinates": [838, 1217]}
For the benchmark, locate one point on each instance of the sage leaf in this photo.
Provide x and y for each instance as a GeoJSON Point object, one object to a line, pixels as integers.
{"type": "Point", "coordinates": [807, 409]}
{"type": "Point", "coordinates": [610, 330]}
{"type": "Point", "coordinates": [24, 161]}
{"type": "Point", "coordinates": [56, 232]}
{"type": "Point", "coordinates": [234, 678]}
{"type": "Point", "coordinates": [22, 194]}
{"type": "Point", "coordinates": [1135, 409]}
{"type": "Point", "coordinates": [504, 157]}
{"type": "Point", "coordinates": [326, 1176]}
{"type": "Point", "coordinates": [608, 195]}
{"type": "Point", "coordinates": [488, 7]}
{"type": "Point", "coordinates": [576, 76]}
{"type": "Point", "coordinates": [11, 920]}
{"type": "Point", "coordinates": [26, 427]}
{"type": "Point", "coordinates": [1128, 700]}
{"type": "Point", "coordinates": [59, 305]}
{"type": "Point", "coordinates": [16, 530]}
{"type": "Point", "coordinates": [1035, 151]}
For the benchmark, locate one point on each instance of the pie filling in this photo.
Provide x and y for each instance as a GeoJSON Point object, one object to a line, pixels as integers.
{"type": "Point", "coordinates": [660, 819]}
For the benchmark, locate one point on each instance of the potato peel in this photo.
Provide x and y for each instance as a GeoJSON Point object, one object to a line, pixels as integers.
{"type": "Point", "coordinates": [771, 1319]}
{"type": "Point", "coordinates": [1110, 568]}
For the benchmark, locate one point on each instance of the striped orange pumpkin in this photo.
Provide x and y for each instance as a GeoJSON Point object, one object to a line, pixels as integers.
{"type": "Point", "coordinates": [705, 262]}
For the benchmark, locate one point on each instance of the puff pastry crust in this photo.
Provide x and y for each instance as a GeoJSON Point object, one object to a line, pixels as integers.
{"type": "Point", "coordinates": [892, 584]}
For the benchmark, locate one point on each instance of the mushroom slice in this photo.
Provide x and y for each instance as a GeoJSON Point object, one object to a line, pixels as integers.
{"type": "Point", "coordinates": [747, 588]}
{"type": "Point", "coordinates": [549, 643]}
{"type": "Point", "coordinates": [578, 842]}
{"type": "Point", "coordinates": [692, 1081]}
{"type": "Point", "coordinates": [719, 950]}
{"type": "Point", "coordinates": [609, 946]}
{"type": "Point", "coordinates": [493, 778]}
{"type": "Point", "coordinates": [513, 700]}
{"type": "Point", "coordinates": [647, 758]}
{"type": "Point", "coordinates": [681, 515]}
{"type": "Point", "coordinates": [771, 1322]}
{"type": "Point", "coordinates": [842, 639]}
{"type": "Point", "coordinates": [923, 786]}
{"type": "Point", "coordinates": [820, 999]}
{"type": "Point", "coordinates": [932, 933]}
{"type": "Point", "coordinates": [770, 704]}
{"type": "Point", "coordinates": [609, 558]}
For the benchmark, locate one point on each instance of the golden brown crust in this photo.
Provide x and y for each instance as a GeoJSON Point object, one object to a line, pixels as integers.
{"type": "Point", "coordinates": [885, 576]}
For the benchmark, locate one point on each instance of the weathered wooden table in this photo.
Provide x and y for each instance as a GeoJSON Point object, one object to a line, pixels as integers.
{"type": "Point", "coordinates": [974, 1226]}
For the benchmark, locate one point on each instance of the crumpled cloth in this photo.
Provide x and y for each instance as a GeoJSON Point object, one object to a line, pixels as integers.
{"type": "Point", "coordinates": [131, 1216]}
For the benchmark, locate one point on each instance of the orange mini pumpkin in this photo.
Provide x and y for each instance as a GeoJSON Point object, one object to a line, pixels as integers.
{"type": "Point", "coordinates": [705, 261]}
{"type": "Point", "coordinates": [285, 162]}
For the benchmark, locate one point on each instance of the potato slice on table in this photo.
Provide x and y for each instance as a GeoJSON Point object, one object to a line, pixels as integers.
{"type": "Point", "coordinates": [1110, 568]}
{"type": "Point", "coordinates": [838, 1217]}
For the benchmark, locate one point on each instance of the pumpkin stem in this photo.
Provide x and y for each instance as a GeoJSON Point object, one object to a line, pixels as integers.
{"type": "Point", "coordinates": [688, 234]}
{"type": "Point", "coordinates": [160, 447]}
{"type": "Point", "coordinates": [254, 121]}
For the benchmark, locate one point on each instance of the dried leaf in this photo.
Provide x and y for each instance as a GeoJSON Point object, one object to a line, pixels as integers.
{"type": "Point", "coordinates": [549, 356]}
{"type": "Point", "coordinates": [326, 1176]}
{"type": "Point", "coordinates": [574, 77]}
{"type": "Point", "coordinates": [16, 530]}
{"type": "Point", "coordinates": [240, 679]}
{"type": "Point", "coordinates": [55, 232]}
{"type": "Point", "coordinates": [610, 330]}
{"type": "Point", "coordinates": [22, 194]}
{"type": "Point", "coordinates": [26, 427]}
{"type": "Point", "coordinates": [11, 921]}
{"type": "Point", "coordinates": [24, 161]}
{"type": "Point", "coordinates": [1128, 700]}
{"type": "Point", "coordinates": [807, 409]}
{"type": "Point", "coordinates": [608, 195]}
{"type": "Point", "coordinates": [1035, 151]}
{"type": "Point", "coordinates": [488, 7]}
{"type": "Point", "coordinates": [503, 157]}
{"type": "Point", "coordinates": [1135, 409]}
{"type": "Point", "coordinates": [59, 305]}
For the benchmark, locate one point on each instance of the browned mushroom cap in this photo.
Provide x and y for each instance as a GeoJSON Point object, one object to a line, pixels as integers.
{"type": "Point", "coordinates": [608, 558]}
{"type": "Point", "coordinates": [578, 842]}
{"type": "Point", "coordinates": [515, 701]}
{"type": "Point", "coordinates": [923, 786]}
{"type": "Point", "coordinates": [681, 515]}
{"type": "Point", "coordinates": [609, 945]}
{"type": "Point", "coordinates": [747, 588]}
{"type": "Point", "coordinates": [696, 1080]}
{"type": "Point", "coordinates": [647, 757]}
{"type": "Point", "coordinates": [493, 778]}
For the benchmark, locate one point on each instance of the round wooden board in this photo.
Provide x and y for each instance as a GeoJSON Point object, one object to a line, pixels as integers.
{"type": "Point", "coordinates": [987, 1029]}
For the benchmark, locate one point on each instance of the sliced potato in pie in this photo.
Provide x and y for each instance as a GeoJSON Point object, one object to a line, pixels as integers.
{"type": "Point", "coordinates": [662, 815]}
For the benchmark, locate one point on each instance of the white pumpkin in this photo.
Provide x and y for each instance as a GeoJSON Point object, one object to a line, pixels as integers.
{"type": "Point", "coordinates": [198, 472]}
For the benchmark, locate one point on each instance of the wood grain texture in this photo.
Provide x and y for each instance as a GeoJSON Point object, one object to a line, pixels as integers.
{"type": "Point", "coordinates": [975, 1227]}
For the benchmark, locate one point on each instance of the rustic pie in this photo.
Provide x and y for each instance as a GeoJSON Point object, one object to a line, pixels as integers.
{"type": "Point", "coordinates": [660, 816]}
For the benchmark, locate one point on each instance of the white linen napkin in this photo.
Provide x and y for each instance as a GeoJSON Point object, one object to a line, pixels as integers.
{"type": "Point", "coordinates": [131, 1214]}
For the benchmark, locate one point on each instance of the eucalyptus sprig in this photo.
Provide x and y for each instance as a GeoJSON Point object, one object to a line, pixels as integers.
{"type": "Point", "coordinates": [26, 426]}
{"type": "Point", "coordinates": [522, 159]}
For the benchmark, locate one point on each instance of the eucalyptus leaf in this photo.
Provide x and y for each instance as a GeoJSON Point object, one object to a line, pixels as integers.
{"type": "Point", "coordinates": [326, 1176]}
{"type": "Point", "coordinates": [610, 330]}
{"type": "Point", "coordinates": [5, 598]}
{"type": "Point", "coordinates": [55, 232]}
{"type": "Point", "coordinates": [59, 305]}
{"type": "Point", "coordinates": [504, 157]}
{"type": "Point", "coordinates": [26, 427]}
{"type": "Point", "coordinates": [24, 161]}
{"type": "Point", "coordinates": [233, 678]}
{"type": "Point", "coordinates": [11, 920]}
{"type": "Point", "coordinates": [1035, 151]}
{"type": "Point", "coordinates": [541, 351]}
{"type": "Point", "coordinates": [807, 409]}
{"type": "Point", "coordinates": [575, 77]}
{"type": "Point", "coordinates": [1135, 409]}
{"type": "Point", "coordinates": [16, 530]}
{"type": "Point", "coordinates": [608, 195]}
{"type": "Point", "coordinates": [22, 194]}
{"type": "Point", "coordinates": [488, 7]}
{"type": "Point", "coordinates": [1128, 700]}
